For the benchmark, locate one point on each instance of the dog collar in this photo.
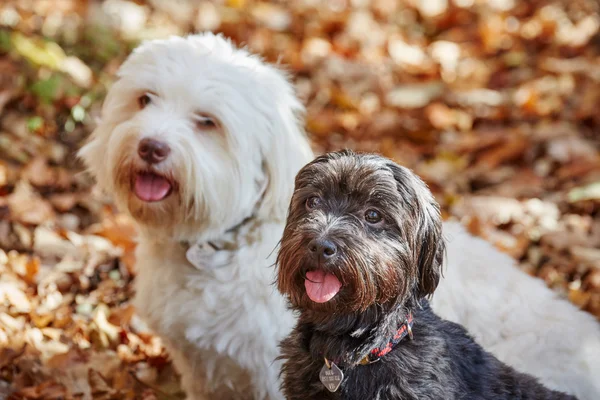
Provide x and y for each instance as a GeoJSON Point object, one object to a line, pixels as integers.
{"type": "Point", "coordinates": [404, 330]}
{"type": "Point", "coordinates": [219, 253]}
{"type": "Point", "coordinates": [214, 245]}
{"type": "Point", "coordinates": [331, 375]}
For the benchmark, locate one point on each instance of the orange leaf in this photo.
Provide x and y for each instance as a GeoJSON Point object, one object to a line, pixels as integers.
{"type": "Point", "coordinates": [120, 230]}
{"type": "Point", "coordinates": [32, 268]}
{"type": "Point", "coordinates": [236, 3]}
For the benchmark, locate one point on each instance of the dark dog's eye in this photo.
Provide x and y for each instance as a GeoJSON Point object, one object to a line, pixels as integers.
{"type": "Point", "coordinates": [372, 216]}
{"type": "Point", "coordinates": [313, 202]}
{"type": "Point", "coordinates": [144, 100]}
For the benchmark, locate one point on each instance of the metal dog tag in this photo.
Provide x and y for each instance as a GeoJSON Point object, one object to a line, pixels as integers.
{"type": "Point", "coordinates": [331, 377]}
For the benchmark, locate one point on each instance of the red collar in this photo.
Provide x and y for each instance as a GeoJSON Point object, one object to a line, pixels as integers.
{"type": "Point", "coordinates": [375, 355]}
{"type": "Point", "coordinates": [331, 375]}
{"type": "Point", "coordinates": [404, 330]}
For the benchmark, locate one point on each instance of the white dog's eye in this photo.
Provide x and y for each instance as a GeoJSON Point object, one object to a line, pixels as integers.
{"type": "Point", "coordinates": [144, 100]}
{"type": "Point", "coordinates": [205, 122]}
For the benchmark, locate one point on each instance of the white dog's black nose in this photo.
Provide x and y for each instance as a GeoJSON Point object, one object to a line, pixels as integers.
{"type": "Point", "coordinates": [322, 249]}
{"type": "Point", "coordinates": [153, 151]}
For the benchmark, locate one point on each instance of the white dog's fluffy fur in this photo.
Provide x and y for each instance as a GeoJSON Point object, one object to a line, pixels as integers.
{"type": "Point", "coordinates": [221, 318]}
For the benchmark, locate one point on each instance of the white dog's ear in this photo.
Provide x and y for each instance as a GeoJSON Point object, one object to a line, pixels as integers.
{"type": "Point", "coordinates": [93, 154]}
{"type": "Point", "coordinates": [288, 149]}
{"type": "Point", "coordinates": [95, 150]}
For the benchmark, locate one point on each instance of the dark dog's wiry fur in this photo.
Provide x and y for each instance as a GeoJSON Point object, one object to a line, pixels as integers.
{"type": "Point", "coordinates": [386, 268]}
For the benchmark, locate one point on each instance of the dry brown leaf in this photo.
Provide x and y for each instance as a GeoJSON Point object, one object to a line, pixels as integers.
{"type": "Point", "coordinates": [236, 3]}
{"type": "Point", "coordinates": [119, 229]}
{"type": "Point", "coordinates": [107, 332]}
{"type": "Point", "coordinates": [414, 96]}
{"type": "Point", "coordinates": [38, 173]}
{"type": "Point", "coordinates": [321, 124]}
{"type": "Point", "coordinates": [508, 151]}
{"type": "Point", "coordinates": [48, 390]}
{"type": "Point", "coordinates": [28, 207]}
{"type": "Point", "coordinates": [121, 316]}
{"type": "Point", "coordinates": [98, 384]}
{"type": "Point", "coordinates": [579, 298]}
{"type": "Point", "coordinates": [64, 202]}
{"type": "Point", "coordinates": [15, 297]}
{"type": "Point", "coordinates": [32, 268]}
{"type": "Point", "coordinates": [8, 356]}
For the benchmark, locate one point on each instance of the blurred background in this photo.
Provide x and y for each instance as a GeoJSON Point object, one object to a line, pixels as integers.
{"type": "Point", "coordinates": [495, 103]}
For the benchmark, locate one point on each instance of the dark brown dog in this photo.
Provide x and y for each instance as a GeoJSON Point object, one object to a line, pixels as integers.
{"type": "Point", "coordinates": [361, 251]}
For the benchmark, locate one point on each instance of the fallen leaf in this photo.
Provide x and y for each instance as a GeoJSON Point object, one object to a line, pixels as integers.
{"type": "Point", "coordinates": [589, 192]}
{"type": "Point", "coordinates": [119, 229]}
{"type": "Point", "coordinates": [15, 297]}
{"type": "Point", "coordinates": [506, 152]}
{"type": "Point", "coordinates": [29, 207]}
{"type": "Point", "coordinates": [414, 96]}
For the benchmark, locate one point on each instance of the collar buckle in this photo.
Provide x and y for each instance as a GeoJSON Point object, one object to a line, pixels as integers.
{"type": "Point", "coordinates": [366, 360]}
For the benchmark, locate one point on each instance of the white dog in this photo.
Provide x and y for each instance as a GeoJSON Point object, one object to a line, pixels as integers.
{"type": "Point", "coordinates": [200, 143]}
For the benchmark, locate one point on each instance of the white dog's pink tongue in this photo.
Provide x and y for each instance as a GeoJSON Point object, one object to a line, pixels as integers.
{"type": "Point", "coordinates": [151, 187]}
{"type": "Point", "coordinates": [321, 286]}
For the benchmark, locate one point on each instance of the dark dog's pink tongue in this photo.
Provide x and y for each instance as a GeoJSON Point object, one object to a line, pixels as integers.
{"type": "Point", "coordinates": [321, 286]}
{"type": "Point", "coordinates": [151, 187]}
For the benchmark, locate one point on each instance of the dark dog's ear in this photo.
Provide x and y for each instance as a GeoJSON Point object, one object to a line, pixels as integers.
{"type": "Point", "coordinates": [429, 246]}
{"type": "Point", "coordinates": [432, 249]}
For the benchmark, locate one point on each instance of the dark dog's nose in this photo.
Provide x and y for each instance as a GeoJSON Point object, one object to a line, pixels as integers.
{"type": "Point", "coordinates": [322, 249]}
{"type": "Point", "coordinates": [153, 151]}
